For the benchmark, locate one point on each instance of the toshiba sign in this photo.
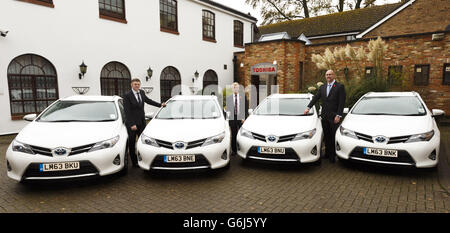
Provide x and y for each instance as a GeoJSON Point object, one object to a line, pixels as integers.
{"type": "Point", "coordinates": [263, 68]}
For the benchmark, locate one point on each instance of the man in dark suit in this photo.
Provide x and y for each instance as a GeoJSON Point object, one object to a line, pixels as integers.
{"type": "Point", "coordinates": [237, 108]}
{"type": "Point", "coordinates": [133, 103]}
{"type": "Point", "coordinates": [332, 95]}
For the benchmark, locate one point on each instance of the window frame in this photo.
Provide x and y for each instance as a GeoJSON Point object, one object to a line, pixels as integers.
{"type": "Point", "coordinates": [238, 36]}
{"type": "Point", "coordinates": [47, 3]}
{"type": "Point", "coordinates": [444, 82]}
{"type": "Point", "coordinates": [205, 37]}
{"type": "Point", "coordinates": [421, 83]}
{"type": "Point", "coordinates": [110, 15]}
{"type": "Point", "coordinates": [19, 116]}
{"type": "Point", "coordinates": [162, 27]}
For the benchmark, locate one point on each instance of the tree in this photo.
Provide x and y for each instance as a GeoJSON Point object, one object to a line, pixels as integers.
{"type": "Point", "coordinates": [281, 10]}
{"type": "Point", "coordinates": [273, 11]}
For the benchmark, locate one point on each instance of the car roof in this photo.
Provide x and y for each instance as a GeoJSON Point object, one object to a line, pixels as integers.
{"type": "Point", "coordinates": [91, 98]}
{"type": "Point", "coordinates": [194, 97]}
{"type": "Point", "coordinates": [391, 94]}
{"type": "Point", "coordinates": [305, 95]}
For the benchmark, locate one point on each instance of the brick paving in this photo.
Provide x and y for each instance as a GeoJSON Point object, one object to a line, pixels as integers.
{"type": "Point", "coordinates": [244, 188]}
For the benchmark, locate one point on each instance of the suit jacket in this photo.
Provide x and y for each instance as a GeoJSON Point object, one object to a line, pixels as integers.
{"type": "Point", "coordinates": [332, 105]}
{"type": "Point", "coordinates": [134, 111]}
{"type": "Point", "coordinates": [243, 107]}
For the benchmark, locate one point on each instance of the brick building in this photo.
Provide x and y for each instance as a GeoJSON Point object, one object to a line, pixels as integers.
{"type": "Point", "coordinates": [417, 32]}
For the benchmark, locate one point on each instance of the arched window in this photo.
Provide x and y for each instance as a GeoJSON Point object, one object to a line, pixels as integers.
{"type": "Point", "coordinates": [210, 82]}
{"type": "Point", "coordinates": [32, 83]}
{"type": "Point", "coordinates": [115, 79]}
{"type": "Point", "coordinates": [170, 78]}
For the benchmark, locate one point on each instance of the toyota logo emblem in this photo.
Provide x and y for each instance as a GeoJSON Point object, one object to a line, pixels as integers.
{"type": "Point", "coordinates": [271, 138]}
{"type": "Point", "coordinates": [179, 145]}
{"type": "Point", "coordinates": [380, 139]}
{"type": "Point", "coordinates": [60, 151]}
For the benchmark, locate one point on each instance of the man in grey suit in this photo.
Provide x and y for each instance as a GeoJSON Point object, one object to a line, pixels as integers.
{"type": "Point", "coordinates": [237, 109]}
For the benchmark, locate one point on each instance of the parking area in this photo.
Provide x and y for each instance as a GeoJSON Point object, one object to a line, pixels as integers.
{"type": "Point", "coordinates": [244, 188]}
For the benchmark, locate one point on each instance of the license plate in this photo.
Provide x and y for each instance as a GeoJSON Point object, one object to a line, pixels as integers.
{"type": "Point", "coordinates": [381, 152]}
{"type": "Point", "coordinates": [271, 150]}
{"type": "Point", "coordinates": [179, 158]}
{"type": "Point", "coordinates": [48, 167]}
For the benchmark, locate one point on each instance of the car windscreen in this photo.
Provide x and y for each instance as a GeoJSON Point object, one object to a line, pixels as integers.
{"type": "Point", "coordinates": [284, 107]}
{"type": "Point", "coordinates": [393, 105]}
{"type": "Point", "coordinates": [189, 109]}
{"type": "Point", "coordinates": [87, 111]}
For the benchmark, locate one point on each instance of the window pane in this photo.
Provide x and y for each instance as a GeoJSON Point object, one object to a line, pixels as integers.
{"type": "Point", "coordinates": [16, 107]}
{"type": "Point", "coordinates": [16, 94]}
{"type": "Point", "coordinates": [29, 106]}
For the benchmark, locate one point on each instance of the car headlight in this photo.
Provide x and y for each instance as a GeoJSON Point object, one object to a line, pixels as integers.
{"type": "Point", "coordinates": [21, 147]}
{"type": "Point", "coordinates": [421, 137]}
{"type": "Point", "coordinates": [305, 135]}
{"type": "Point", "coordinates": [148, 140]}
{"type": "Point", "coordinates": [246, 133]}
{"type": "Point", "coordinates": [105, 144]}
{"type": "Point", "coordinates": [213, 140]}
{"type": "Point", "coordinates": [347, 132]}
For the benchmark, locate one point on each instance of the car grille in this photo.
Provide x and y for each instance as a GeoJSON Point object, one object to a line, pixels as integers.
{"type": "Point", "coordinates": [74, 151]}
{"type": "Point", "coordinates": [289, 154]}
{"type": "Point", "coordinates": [403, 156]}
{"type": "Point", "coordinates": [41, 150]}
{"type": "Point", "coordinates": [200, 160]}
{"type": "Point", "coordinates": [392, 140]}
{"type": "Point", "coordinates": [190, 145]}
{"type": "Point", "coordinates": [281, 138]}
{"type": "Point", "coordinates": [33, 170]}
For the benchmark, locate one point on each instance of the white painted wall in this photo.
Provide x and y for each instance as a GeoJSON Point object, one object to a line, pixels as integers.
{"type": "Point", "coordinates": [72, 32]}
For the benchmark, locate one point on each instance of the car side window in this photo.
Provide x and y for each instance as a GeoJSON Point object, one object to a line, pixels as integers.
{"type": "Point", "coordinates": [122, 111]}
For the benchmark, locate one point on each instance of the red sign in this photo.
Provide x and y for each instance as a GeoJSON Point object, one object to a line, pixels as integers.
{"type": "Point", "coordinates": [264, 68]}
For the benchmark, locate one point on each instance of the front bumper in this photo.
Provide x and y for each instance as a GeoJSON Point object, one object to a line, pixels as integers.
{"type": "Point", "coordinates": [415, 154]}
{"type": "Point", "coordinates": [23, 166]}
{"type": "Point", "coordinates": [208, 157]}
{"type": "Point", "coordinates": [299, 151]}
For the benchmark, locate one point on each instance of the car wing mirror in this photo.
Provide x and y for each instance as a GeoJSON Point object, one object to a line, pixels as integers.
{"type": "Point", "coordinates": [346, 110]}
{"type": "Point", "coordinates": [30, 117]}
{"type": "Point", "coordinates": [437, 112]}
{"type": "Point", "coordinates": [228, 115]}
{"type": "Point", "coordinates": [250, 111]}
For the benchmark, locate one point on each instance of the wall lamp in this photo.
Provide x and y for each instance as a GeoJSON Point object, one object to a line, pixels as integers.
{"type": "Point", "coordinates": [83, 69]}
{"type": "Point", "coordinates": [196, 74]}
{"type": "Point", "coordinates": [149, 74]}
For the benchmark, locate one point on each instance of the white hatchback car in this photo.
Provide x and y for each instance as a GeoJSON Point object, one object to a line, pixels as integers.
{"type": "Point", "coordinates": [278, 130]}
{"type": "Point", "coordinates": [74, 137]}
{"type": "Point", "coordinates": [390, 128]}
{"type": "Point", "coordinates": [190, 133]}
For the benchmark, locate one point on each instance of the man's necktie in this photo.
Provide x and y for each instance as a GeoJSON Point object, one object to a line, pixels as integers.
{"type": "Point", "coordinates": [328, 89]}
{"type": "Point", "coordinates": [139, 97]}
{"type": "Point", "coordinates": [235, 104]}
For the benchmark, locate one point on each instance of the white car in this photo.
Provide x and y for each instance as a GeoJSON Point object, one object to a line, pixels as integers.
{"type": "Point", "coordinates": [390, 128]}
{"type": "Point", "coordinates": [74, 137]}
{"type": "Point", "coordinates": [190, 133]}
{"type": "Point", "coordinates": [279, 131]}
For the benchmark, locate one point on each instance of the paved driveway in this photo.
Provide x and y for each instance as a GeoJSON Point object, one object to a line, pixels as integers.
{"type": "Point", "coordinates": [250, 188]}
